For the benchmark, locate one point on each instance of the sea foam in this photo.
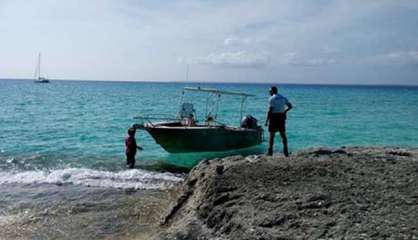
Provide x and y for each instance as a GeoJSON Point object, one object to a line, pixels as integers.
{"type": "Point", "coordinates": [127, 179]}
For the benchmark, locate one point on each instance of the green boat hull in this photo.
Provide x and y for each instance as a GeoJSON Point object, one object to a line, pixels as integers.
{"type": "Point", "coordinates": [204, 139]}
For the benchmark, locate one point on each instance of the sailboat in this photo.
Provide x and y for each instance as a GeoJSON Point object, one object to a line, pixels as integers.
{"type": "Point", "coordinates": [38, 77]}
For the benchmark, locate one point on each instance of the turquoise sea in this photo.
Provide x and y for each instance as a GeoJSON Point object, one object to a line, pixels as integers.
{"type": "Point", "coordinates": [62, 163]}
{"type": "Point", "coordinates": [73, 130]}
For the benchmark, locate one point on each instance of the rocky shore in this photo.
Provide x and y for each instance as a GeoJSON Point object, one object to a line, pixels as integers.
{"type": "Point", "coordinates": [345, 193]}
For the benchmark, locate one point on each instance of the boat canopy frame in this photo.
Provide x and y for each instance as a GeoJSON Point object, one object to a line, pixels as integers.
{"type": "Point", "coordinates": [211, 109]}
{"type": "Point", "coordinates": [213, 99]}
{"type": "Point", "coordinates": [214, 90]}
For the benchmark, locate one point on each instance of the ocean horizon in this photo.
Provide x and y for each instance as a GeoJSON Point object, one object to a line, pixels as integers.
{"type": "Point", "coordinates": [222, 82]}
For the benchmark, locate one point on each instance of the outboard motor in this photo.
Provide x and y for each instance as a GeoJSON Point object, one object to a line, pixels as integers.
{"type": "Point", "coordinates": [249, 122]}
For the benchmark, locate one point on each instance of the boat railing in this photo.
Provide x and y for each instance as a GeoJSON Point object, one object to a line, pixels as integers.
{"type": "Point", "coordinates": [153, 119]}
{"type": "Point", "coordinates": [150, 119]}
{"type": "Point", "coordinates": [214, 122]}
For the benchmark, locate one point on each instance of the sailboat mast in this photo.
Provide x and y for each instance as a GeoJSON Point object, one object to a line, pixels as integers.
{"type": "Point", "coordinates": [39, 65]}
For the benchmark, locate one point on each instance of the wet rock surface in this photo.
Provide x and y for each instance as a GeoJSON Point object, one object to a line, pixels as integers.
{"type": "Point", "coordinates": [347, 193]}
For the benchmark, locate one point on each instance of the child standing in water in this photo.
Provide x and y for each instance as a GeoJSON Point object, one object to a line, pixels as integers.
{"type": "Point", "coordinates": [130, 150]}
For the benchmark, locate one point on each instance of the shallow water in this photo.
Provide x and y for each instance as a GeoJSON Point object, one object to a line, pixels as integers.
{"type": "Point", "coordinates": [47, 211]}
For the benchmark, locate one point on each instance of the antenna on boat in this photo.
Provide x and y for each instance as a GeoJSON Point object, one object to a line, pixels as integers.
{"type": "Point", "coordinates": [187, 72]}
{"type": "Point", "coordinates": [243, 98]}
{"type": "Point", "coordinates": [182, 92]}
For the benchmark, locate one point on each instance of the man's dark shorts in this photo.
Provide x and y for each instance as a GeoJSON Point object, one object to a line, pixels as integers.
{"type": "Point", "coordinates": [277, 122]}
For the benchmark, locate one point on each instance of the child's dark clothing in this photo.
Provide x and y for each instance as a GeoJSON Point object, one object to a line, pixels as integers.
{"type": "Point", "coordinates": [130, 144]}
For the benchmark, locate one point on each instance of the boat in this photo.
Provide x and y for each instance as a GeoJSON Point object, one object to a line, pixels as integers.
{"type": "Point", "coordinates": [185, 133]}
{"type": "Point", "coordinates": [38, 77]}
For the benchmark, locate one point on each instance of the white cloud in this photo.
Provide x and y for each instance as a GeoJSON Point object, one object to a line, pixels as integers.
{"type": "Point", "coordinates": [394, 57]}
{"type": "Point", "coordinates": [236, 41]}
{"type": "Point", "coordinates": [399, 57]}
{"type": "Point", "coordinates": [240, 59]}
{"type": "Point", "coordinates": [294, 58]}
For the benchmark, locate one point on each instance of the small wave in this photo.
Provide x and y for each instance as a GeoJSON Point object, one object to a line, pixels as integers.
{"type": "Point", "coordinates": [127, 179]}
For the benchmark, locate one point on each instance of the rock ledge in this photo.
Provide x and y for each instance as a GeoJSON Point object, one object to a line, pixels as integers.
{"type": "Point", "coordinates": [322, 193]}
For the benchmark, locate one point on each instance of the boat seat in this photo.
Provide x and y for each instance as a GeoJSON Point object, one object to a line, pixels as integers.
{"type": "Point", "coordinates": [186, 111]}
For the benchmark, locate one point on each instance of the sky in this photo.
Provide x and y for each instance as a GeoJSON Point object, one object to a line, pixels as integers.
{"type": "Point", "coordinates": [283, 41]}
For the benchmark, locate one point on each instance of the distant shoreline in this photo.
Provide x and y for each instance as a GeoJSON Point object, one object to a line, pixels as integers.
{"type": "Point", "coordinates": [220, 83]}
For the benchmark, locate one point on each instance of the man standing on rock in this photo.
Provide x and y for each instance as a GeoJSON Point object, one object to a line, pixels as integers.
{"type": "Point", "coordinates": [276, 119]}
